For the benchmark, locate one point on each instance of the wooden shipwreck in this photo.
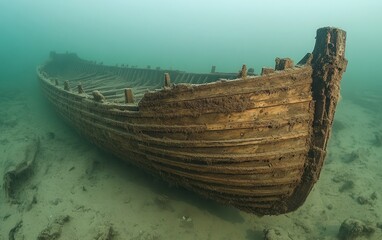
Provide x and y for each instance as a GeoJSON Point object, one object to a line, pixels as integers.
{"type": "Point", "coordinates": [257, 143]}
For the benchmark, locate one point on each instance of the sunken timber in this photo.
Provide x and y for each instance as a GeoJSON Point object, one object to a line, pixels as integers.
{"type": "Point", "coordinates": [257, 143]}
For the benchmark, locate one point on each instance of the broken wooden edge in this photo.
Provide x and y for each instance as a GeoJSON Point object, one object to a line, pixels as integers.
{"type": "Point", "coordinates": [328, 63]}
{"type": "Point", "coordinates": [97, 96]}
{"type": "Point", "coordinates": [129, 97]}
{"type": "Point", "coordinates": [243, 72]}
{"type": "Point", "coordinates": [267, 70]}
{"type": "Point", "coordinates": [66, 86]}
{"type": "Point", "coordinates": [283, 63]}
{"type": "Point", "coordinates": [213, 69]}
{"type": "Point", "coordinates": [167, 80]}
{"type": "Point", "coordinates": [307, 59]}
{"type": "Point", "coordinates": [80, 89]}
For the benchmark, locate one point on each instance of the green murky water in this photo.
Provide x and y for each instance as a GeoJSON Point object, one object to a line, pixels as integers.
{"type": "Point", "coordinates": [100, 194]}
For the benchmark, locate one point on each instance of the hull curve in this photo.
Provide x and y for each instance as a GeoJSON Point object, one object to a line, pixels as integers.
{"type": "Point", "coordinates": [254, 142]}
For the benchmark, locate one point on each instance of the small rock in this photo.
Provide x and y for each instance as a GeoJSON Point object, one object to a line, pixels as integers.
{"type": "Point", "coordinates": [374, 196]}
{"type": "Point", "coordinates": [276, 234]}
{"type": "Point", "coordinates": [352, 229]}
{"type": "Point", "coordinates": [341, 177]}
{"type": "Point", "coordinates": [347, 185]}
{"type": "Point", "coordinates": [142, 235]}
{"type": "Point", "coordinates": [186, 222]}
{"type": "Point", "coordinates": [365, 198]}
{"type": "Point", "coordinates": [6, 216]}
{"type": "Point", "coordinates": [98, 96]}
{"type": "Point", "coordinates": [56, 201]}
{"type": "Point", "coordinates": [358, 155]}
{"type": "Point", "coordinates": [14, 232]}
{"type": "Point", "coordinates": [163, 202]}
{"type": "Point", "coordinates": [53, 230]}
{"type": "Point", "coordinates": [353, 156]}
{"type": "Point", "coordinates": [379, 225]}
{"type": "Point", "coordinates": [105, 232]}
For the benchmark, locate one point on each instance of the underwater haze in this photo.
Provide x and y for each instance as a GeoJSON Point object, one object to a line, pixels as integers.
{"type": "Point", "coordinates": [184, 35]}
{"type": "Point", "coordinates": [82, 192]}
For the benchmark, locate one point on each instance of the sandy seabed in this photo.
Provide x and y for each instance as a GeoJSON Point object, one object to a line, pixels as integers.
{"type": "Point", "coordinates": [73, 190]}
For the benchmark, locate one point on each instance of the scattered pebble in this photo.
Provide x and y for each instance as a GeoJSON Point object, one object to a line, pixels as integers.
{"type": "Point", "coordinates": [347, 185]}
{"type": "Point", "coordinates": [105, 232]}
{"type": "Point", "coordinates": [379, 225]}
{"type": "Point", "coordinates": [365, 199]}
{"type": "Point", "coordinates": [163, 202]}
{"type": "Point", "coordinates": [14, 232]}
{"type": "Point", "coordinates": [56, 201]}
{"type": "Point", "coordinates": [352, 229]}
{"type": "Point", "coordinates": [187, 222]}
{"type": "Point", "coordinates": [53, 230]}
{"type": "Point", "coordinates": [6, 216]}
{"type": "Point", "coordinates": [276, 234]}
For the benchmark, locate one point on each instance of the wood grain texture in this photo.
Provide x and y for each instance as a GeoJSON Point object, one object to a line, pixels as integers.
{"type": "Point", "coordinates": [255, 142]}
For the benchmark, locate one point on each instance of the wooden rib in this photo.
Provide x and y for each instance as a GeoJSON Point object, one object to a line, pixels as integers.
{"type": "Point", "coordinates": [226, 182]}
{"type": "Point", "coordinates": [223, 143]}
{"type": "Point", "coordinates": [236, 171]}
{"type": "Point", "coordinates": [220, 157]}
{"type": "Point", "coordinates": [207, 152]}
{"type": "Point", "coordinates": [106, 88]}
{"type": "Point", "coordinates": [122, 125]}
{"type": "Point", "coordinates": [215, 156]}
{"type": "Point", "coordinates": [269, 191]}
{"type": "Point", "coordinates": [283, 79]}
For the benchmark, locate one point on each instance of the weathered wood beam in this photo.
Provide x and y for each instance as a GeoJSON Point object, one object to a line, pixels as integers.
{"type": "Point", "coordinates": [167, 80]}
{"type": "Point", "coordinates": [98, 97]}
{"type": "Point", "coordinates": [243, 72]}
{"type": "Point", "coordinates": [129, 97]}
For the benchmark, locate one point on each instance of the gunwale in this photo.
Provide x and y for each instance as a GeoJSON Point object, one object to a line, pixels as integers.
{"type": "Point", "coordinates": [249, 141]}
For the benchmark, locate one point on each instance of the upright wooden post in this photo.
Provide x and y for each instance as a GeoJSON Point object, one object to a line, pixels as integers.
{"type": "Point", "coordinates": [283, 63]}
{"type": "Point", "coordinates": [129, 97]}
{"type": "Point", "coordinates": [98, 97]}
{"type": "Point", "coordinates": [267, 70]}
{"type": "Point", "coordinates": [243, 72]}
{"type": "Point", "coordinates": [213, 69]}
{"type": "Point", "coordinates": [167, 80]}
{"type": "Point", "coordinates": [66, 85]}
{"type": "Point", "coordinates": [80, 89]}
